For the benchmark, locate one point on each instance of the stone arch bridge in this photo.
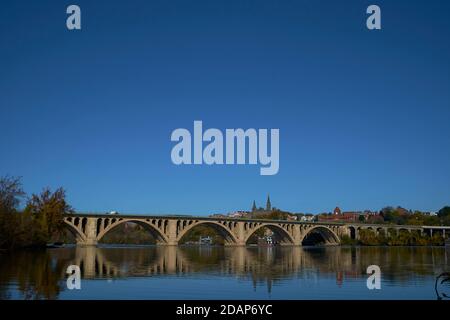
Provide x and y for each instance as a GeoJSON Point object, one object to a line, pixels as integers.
{"type": "Point", "coordinates": [89, 229]}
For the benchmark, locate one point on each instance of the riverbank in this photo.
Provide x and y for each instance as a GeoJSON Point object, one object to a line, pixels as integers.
{"type": "Point", "coordinates": [370, 238]}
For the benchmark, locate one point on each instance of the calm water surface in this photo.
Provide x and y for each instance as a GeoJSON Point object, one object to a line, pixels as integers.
{"type": "Point", "coordinates": [151, 272]}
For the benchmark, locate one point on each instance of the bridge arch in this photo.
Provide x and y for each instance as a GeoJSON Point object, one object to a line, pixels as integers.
{"type": "Point", "coordinates": [74, 226]}
{"type": "Point", "coordinates": [282, 233]}
{"type": "Point", "coordinates": [381, 231]}
{"type": "Point", "coordinates": [223, 230]}
{"type": "Point", "coordinates": [157, 234]}
{"type": "Point", "coordinates": [352, 232]}
{"type": "Point", "coordinates": [320, 234]}
{"type": "Point", "coordinates": [404, 230]}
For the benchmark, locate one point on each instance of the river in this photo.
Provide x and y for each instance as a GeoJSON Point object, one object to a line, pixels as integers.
{"type": "Point", "coordinates": [210, 272]}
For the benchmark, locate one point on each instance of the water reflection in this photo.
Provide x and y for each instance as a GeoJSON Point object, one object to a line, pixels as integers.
{"type": "Point", "coordinates": [36, 274]}
{"type": "Point", "coordinates": [41, 275]}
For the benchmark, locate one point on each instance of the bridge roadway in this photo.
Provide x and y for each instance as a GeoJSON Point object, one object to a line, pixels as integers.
{"type": "Point", "coordinates": [89, 229]}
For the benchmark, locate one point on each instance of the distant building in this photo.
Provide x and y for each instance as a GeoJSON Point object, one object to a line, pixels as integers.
{"type": "Point", "coordinates": [352, 215]}
{"type": "Point", "coordinates": [218, 215]}
{"type": "Point", "coordinates": [259, 211]}
{"type": "Point", "coordinates": [267, 240]}
{"type": "Point", "coordinates": [309, 217]}
{"type": "Point", "coordinates": [205, 240]}
{"type": "Point", "coordinates": [371, 213]}
{"type": "Point", "coordinates": [305, 217]}
{"type": "Point", "coordinates": [237, 214]}
{"type": "Point", "coordinates": [268, 204]}
{"type": "Point", "coordinates": [339, 215]}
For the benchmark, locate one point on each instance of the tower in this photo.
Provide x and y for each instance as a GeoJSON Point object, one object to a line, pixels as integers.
{"type": "Point", "coordinates": [254, 206]}
{"type": "Point", "coordinates": [268, 204]}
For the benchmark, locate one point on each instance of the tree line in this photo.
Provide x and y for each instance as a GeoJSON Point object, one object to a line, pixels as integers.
{"type": "Point", "coordinates": [38, 223]}
{"type": "Point", "coordinates": [403, 238]}
{"type": "Point", "coordinates": [402, 216]}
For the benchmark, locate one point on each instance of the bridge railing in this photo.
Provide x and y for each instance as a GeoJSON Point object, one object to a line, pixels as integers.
{"type": "Point", "coordinates": [191, 217]}
{"type": "Point", "coordinates": [206, 218]}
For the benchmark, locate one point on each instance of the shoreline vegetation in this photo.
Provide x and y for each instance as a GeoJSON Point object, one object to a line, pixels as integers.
{"type": "Point", "coordinates": [370, 238]}
{"type": "Point", "coordinates": [41, 223]}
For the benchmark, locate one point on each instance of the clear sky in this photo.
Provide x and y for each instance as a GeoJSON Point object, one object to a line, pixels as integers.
{"type": "Point", "coordinates": [364, 116]}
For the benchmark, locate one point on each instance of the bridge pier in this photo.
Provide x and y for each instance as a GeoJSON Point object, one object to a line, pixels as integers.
{"type": "Point", "coordinates": [169, 243]}
{"type": "Point", "coordinates": [237, 244]}
{"type": "Point", "coordinates": [87, 243]}
{"type": "Point", "coordinates": [90, 232]}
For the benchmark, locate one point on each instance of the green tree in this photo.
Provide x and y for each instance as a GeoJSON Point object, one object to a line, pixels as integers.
{"type": "Point", "coordinates": [47, 210]}
{"type": "Point", "coordinates": [11, 193]}
{"type": "Point", "coordinates": [444, 212]}
{"type": "Point", "coordinates": [368, 237]}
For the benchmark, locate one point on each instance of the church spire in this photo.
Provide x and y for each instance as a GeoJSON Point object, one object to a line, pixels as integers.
{"type": "Point", "coordinates": [268, 204]}
{"type": "Point", "coordinates": [254, 206]}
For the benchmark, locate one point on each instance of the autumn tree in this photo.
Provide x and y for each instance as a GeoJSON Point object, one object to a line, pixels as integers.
{"type": "Point", "coordinates": [47, 210]}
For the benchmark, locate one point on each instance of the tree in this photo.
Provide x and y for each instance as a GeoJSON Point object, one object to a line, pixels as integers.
{"type": "Point", "coordinates": [444, 212]}
{"type": "Point", "coordinates": [11, 193]}
{"type": "Point", "coordinates": [394, 215]}
{"type": "Point", "coordinates": [368, 237]}
{"type": "Point", "coordinates": [361, 218]}
{"type": "Point", "coordinates": [47, 210]}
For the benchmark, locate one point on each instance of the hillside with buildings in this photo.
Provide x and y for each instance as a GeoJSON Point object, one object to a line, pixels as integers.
{"type": "Point", "coordinates": [386, 215]}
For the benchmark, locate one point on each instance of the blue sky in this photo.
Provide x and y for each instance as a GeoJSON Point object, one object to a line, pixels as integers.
{"type": "Point", "coordinates": [363, 115]}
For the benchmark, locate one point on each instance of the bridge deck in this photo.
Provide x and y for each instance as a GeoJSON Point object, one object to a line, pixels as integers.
{"type": "Point", "coordinates": [202, 218]}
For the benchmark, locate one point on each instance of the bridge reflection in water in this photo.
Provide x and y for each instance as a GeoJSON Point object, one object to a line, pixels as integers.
{"type": "Point", "coordinates": [42, 275]}
{"type": "Point", "coordinates": [262, 263]}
